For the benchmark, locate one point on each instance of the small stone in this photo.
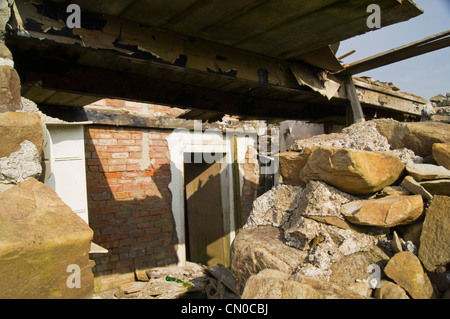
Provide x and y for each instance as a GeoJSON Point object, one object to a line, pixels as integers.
{"type": "Point", "coordinates": [393, 190]}
{"type": "Point", "coordinates": [406, 270]}
{"type": "Point", "coordinates": [414, 187]}
{"type": "Point", "coordinates": [396, 244]}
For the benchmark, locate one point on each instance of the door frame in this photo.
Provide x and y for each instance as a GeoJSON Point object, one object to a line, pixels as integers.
{"type": "Point", "coordinates": [181, 142]}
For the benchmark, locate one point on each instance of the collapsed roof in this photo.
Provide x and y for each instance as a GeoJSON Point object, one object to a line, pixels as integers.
{"type": "Point", "coordinates": [252, 58]}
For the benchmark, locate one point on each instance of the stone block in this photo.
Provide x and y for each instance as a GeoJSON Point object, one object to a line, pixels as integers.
{"type": "Point", "coordinates": [44, 246]}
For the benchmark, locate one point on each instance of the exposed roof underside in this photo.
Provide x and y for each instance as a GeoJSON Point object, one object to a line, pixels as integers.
{"type": "Point", "coordinates": [252, 58]}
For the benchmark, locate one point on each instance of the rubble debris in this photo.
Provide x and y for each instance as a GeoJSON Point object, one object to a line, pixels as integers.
{"type": "Point", "coordinates": [177, 282]}
{"type": "Point", "coordinates": [404, 225]}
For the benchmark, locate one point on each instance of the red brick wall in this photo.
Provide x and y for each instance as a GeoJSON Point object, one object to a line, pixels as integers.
{"type": "Point", "coordinates": [128, 173]}
{"type": "Point", "coordinates": [129, 205]}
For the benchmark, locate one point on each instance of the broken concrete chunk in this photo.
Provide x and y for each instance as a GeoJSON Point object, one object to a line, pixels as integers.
{"type": "Point", "coordinates": [352, 171]}
{"type": "Point", "coordinates": [274, 207]}
{"type": "Point", "coordinates": [259, 248]}
{"type": "Point", "coordinates": [21, 165]}
{"type": "Point", "coordinates": [387, 212]}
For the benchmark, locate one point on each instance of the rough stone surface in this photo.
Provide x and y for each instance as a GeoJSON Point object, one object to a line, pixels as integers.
{"type": "Point", "coordinates": [390, 290]}
{"type": "Point", "coordinates": [40, 237]}
{"type": "Point", "coordinates": [274, 207]}
{"type": "Point", "coordinates": [352, 171]}
{"type": "Point", "coordinates": [20, 165]}
{"type": "Point", "coordinates": [18, 127]}
{"type": "Point", "coordinates": [360, 136]}
{"type": "Point", "coordinates": [354, 267]}
{"type": "Point", "coordinates": [9, 89]}
{"type": "Point", "coordinates": [434, 249]}
{"type": "Point", "coordinates": [421, 172]}
{"type": "Point", "coordinates": [437, 187]}
{"type": "Point", "coordinates": [326, 244]}
{"type": "Point", "coordinates": [259, 248]}
{"type": "Point", "coordinates": [414, 187]}
{"type": "Point", "coordinates": [273, 284]}
{"type": "Point", "coordinates": [441, 154]}
{"type": "Point", "coordinates": [387, 211]}
{"type": "Point", "coordinates": [290, 164]}
{"type": "Point", "coordinates": [418, 136]}
{"type": "Point", "coordinates": [406, 270]}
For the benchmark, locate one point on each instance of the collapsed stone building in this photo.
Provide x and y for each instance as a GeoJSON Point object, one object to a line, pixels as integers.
{"type": "Point", "coordinates": [129, 146]}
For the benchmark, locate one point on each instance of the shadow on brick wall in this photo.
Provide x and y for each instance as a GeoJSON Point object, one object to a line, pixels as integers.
{"type": "Point", "coordinates": [130, 209]}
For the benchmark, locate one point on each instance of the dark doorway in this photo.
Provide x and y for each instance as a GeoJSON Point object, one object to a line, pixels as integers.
{"type": "Point", "coordinates": [206, 239]}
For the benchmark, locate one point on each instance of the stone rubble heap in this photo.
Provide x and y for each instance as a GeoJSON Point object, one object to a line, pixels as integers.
{"type": "Point", "coordinates": [438, 109]}
{"type": "Point", "coordinates": [360, 214]}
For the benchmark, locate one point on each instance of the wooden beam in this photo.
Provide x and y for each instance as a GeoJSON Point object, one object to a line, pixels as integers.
{"type": "Point", "coordinates": [429, 44]}
{"type": "Point", "coordinates": [119, 85]}
{"type": "Point", "coordinates": [357, 112]}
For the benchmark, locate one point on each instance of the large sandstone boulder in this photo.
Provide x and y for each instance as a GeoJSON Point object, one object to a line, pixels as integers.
{"type": "Point", "coordinates": [441, 154]}
{"type": "Point", "coordinates": [44, 246]}
{"type": "Point", "coordinates": [259, 248]}
{"type": "Point", "coordinates": [273, 284]}
{"type": "Point", "coordinates": [406, 270]}
{"type": "Point", "coordinates": [16, 127]}
{"type": "Point", "coordinates": [386, 212]}
{"type": "Point", "coordinates": [9, 89]}
{"type": "Point", "coordinates": [434, 250]}
{"type": "Point", "coordinates": [416, 136]}
{"type": "Point", "coordinates": [352, 171]}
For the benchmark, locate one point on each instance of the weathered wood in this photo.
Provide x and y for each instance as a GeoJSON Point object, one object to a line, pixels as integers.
{"type": "Point", "coordinates": [357, 112]}
{"type": "Point", "coordinates": [429, 44]}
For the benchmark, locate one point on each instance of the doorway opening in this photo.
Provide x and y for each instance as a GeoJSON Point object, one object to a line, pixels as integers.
{"type": "Point", "coordinates": [207, 225]}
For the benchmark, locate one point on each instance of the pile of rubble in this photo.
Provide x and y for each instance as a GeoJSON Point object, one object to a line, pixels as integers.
{"type": "Point", "coordinates": [192, 281]}
{"type": "Point", "coordinates": [360, 214]}
{"type": "Point", "coordinates": [438, 110]}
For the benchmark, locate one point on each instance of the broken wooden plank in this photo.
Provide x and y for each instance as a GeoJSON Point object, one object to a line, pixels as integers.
{"type": "Point", "coordinates": [225, 276]}
{"type": "Point", "coordinates": [429, 44]}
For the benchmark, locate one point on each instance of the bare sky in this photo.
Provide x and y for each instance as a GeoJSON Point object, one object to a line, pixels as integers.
{"type": "Point", "coordinates": [426, 75]}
